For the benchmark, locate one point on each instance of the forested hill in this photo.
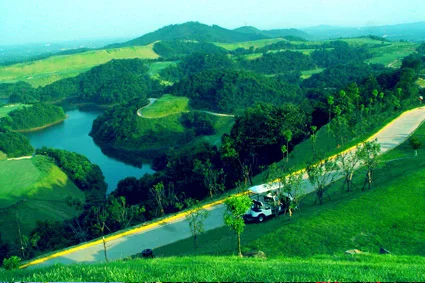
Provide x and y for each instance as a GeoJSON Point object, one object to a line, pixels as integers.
{"type": "Point", "coordinates": [191, 31]}
{"type": "Point", "coordinates": [117, 81]}
{"type": "Point", "coordinates": [36, 116]}
{"type": "Point", "coordinates": [274, 32]}
{"type": "Point", "coordinates": [230, 91]}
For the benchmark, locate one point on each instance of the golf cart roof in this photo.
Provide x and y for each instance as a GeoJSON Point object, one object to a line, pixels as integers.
{"type": "Point", "coordinates": [264, 188]}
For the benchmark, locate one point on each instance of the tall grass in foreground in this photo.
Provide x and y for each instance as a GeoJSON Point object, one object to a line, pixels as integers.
{"type": "Point", "coordinates": [226, 269]}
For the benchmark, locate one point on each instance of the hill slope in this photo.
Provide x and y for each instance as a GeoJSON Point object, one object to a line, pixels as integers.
{"type": "Point", "coordinates": [33, 190]}
{"type": "Point", "coordinates": [190, 31]}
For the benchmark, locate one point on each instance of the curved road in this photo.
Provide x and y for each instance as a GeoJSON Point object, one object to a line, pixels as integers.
{"type": "Point", "coordinates": [175, 228]}
{"type": "Point", "coordinates": [139, 111]}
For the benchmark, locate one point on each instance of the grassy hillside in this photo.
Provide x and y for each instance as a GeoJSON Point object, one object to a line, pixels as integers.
{"type": "Point", "coordinates": [46, 71]}
{"type": "Point", "coordinates": [235, 269]}
{"type": "Point", "coordinates": [5, 110]}
{"type": "Point", "coordinates": [32, 190]}
{"type": "Point", "coordinates": [165, 106]}
{"type": "Point", "coordinates": [311, 246]}
{"type": "Point", "coordinates": [247, 44]}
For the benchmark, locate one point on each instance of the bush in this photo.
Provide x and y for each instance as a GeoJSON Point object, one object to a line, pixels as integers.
{"type": "Point", "coordinates": [11, 262]}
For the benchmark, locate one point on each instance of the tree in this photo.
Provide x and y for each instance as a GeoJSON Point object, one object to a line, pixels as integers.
{"type": "Point", "coordinates": [287, 134]}
{"type": "Point", "coordinates": [368, 153]}
{"type": "Point", "coordinates": [416, 144]}
{"type": "Point", "coordinates": [123, 213]}
{"type": "Point", "coordinates": [313, 140]}
{"type": "Point", "coordinates": [213, 178]}
{"type": "Point", "coordinates": [196, 219]}
{"type": "Point", "coordinates": [331, 101]}
{"type": "Point", "coordinates": [102, 216]}
{"type": "Point", "coordinates": [158, 193]}
{"type": "Point", "coordinates": [236, 207]}
{"type": "Point", "coordinates": [320, 175]}
{"type": "Point", "coordinates": [347, 163]}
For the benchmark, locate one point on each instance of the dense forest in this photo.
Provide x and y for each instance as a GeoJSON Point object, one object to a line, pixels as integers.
{"type": "Point", "coordinates": [175, 49]}
{"type": "Point", "coordinates": [230, 91]}
{"type": "Point", "coordinates": [14, 144]}
{"type": "Point", "coordinates": [31, 117]}
{"type": "Point", "coordinates": [117, 81]}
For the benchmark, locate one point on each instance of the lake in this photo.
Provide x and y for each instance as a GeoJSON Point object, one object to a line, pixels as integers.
{"type": "Point", "coordinates": [4, 100]}
{"type": "Point", "coordinates": [73, 135]}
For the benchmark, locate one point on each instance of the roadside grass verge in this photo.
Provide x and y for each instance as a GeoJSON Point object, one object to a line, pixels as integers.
{"type": "Point", "coordinates": [33, 190]}
{"type": "Point", "coordinates": [49, 70]}
{"type": "Point", "coordinates": [390, 215]}
{"type": "Point", "coordinates": [379, 268]}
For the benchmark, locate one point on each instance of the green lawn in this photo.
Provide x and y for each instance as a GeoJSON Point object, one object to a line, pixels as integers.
{"type": "Point", "coordinates": [166, 105]}
{"type": "Point", "coordinates": [362, 268]}
{"type": "Point", "coordinates": [309, 73]}
{"type": "Point", "coordinates": [392, 54]}
{"type": "Point", "coordinates": [9, 108]}
{"type": "Point", "coordinates": [31, 190]}
{"type": "Point", "coordinates": [46, 71]}
{"type": "Point", "coordinates": [247, 44]}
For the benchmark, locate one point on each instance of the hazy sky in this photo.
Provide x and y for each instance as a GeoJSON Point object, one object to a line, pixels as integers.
{"type": "Point", "coordinates": [24, 21]}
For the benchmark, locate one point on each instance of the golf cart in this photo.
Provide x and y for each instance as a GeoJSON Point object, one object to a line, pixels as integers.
{"type": "Point", "coordinates": [266, 202]}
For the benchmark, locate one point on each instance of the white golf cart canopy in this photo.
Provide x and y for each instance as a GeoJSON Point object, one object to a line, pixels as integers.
{"type": "Point", "coordinates": [266, 188]}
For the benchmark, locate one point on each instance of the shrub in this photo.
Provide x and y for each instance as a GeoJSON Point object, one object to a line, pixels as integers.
{"type": "Point", "coordinates": [11, 262]}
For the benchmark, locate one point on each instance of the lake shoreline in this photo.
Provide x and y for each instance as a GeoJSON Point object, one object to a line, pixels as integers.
{"type": "Point", "coordinates": [41, 127]}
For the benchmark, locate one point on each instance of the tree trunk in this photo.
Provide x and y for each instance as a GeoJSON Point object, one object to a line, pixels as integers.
{"type": "Point", "coordinates": [104, 248]}
{"type": "Point", "coordinates": [239, 245]}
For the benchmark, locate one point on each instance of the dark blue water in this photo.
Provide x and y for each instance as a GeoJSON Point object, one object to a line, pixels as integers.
{"type": "Point", "coordinates": [4, 100]}
{"type": "Point", "coordinates": [73, 135]}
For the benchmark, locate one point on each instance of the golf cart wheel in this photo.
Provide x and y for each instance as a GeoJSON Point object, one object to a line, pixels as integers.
{"type": "Point", "coordinates": [261, 218]}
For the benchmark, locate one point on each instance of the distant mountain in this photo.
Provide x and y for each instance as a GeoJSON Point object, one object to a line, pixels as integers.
{"type": "Point", "coordinates": [274, 32]}
{"type": "Point", "coordinates": [191, 31]}
{"type": "Point", "coordinates": [410, 31]}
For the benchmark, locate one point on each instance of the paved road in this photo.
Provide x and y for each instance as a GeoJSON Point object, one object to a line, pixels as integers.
{"type": "Point", "coordinates": [177, 228]}
{"type": "Point", "coordinates": [139, 111]}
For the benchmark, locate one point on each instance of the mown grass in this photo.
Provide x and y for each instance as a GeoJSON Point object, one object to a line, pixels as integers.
{"type": "Point", "coordinates": [5, 110]}
{"type": "Point", "coordinates": [309, 247]}
{"type": "Point", "coordinates": [230, 269]}
{"type": "Point", "coordinates": [247, 44]}
{"type": "Point", "coordinates": [166, 105]}
{"type": "Point", "coordinates": [32, 190]}
{"type": "Point", "coordinates": [222, 125]}
{"type": "Point", "coordinates": [49, 70]}
{"type": "Point", "coordinates": [309, 73]}
{"type": "Point", "coordinates": [391, 55]}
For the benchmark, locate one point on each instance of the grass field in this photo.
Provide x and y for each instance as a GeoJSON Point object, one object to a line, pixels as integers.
{"type": "Point", "coordinates": [361, 268]}
{"type": "Point", "coordinates": [166, 105]}
{"type": "Point", "coordinates": [222, 125]}
{"type": "Point", "coordinates": [392, 54]}
{"type": "Point", "coordinates": [31, 190]}
{"type": "Point", "coordinates": [46, 71]}
{"type": "Point", "coordinates": [9, 108]}
{"type": "Point", "coordinates": [247, 44]}
{"type": "Point", "coordinates": [310, 247]}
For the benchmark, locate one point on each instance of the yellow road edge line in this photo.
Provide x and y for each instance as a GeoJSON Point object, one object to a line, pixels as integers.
{"type": "Point", "coordinates": [180, 215]}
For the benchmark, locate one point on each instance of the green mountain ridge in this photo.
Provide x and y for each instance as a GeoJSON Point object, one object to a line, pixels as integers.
{"type": "Point", "coordinates": [190, 31]}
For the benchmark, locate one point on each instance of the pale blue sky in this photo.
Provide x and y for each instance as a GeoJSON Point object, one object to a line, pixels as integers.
{"type": "Point", "coordinates": [47, 21]}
